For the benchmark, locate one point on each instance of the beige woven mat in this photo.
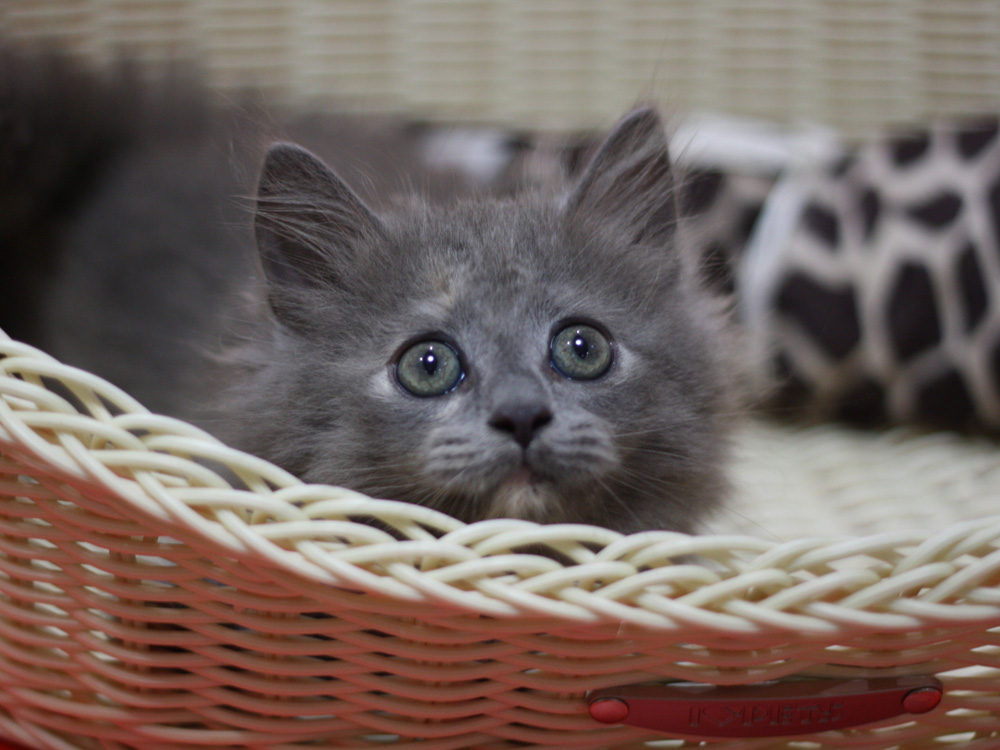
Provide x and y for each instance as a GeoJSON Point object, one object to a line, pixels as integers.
{"type": "Point", "coordinates": [824, 480]}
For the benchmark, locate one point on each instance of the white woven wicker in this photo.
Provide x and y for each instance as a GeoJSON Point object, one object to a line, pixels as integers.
{"type": "Point", "coordinates": [147, 603]}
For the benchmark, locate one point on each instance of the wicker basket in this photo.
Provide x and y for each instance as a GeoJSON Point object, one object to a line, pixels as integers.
{"type": "Point", "coordinates": [148, 602]}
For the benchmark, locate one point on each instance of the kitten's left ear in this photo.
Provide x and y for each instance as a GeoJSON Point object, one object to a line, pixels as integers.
{"type": "Point", "coordinates": [630, 180]}
{"type": "Point", "coordinates": [309, 223]}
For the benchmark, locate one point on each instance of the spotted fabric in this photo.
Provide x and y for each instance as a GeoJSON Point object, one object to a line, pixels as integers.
{"type": "Point", "coordinates": [720, 211]}
{"type": "Point", "coordinates": [881, 300]}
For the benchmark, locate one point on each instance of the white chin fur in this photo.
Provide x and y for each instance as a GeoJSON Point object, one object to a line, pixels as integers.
{"type": "Point", "coordinates": [522, 500]}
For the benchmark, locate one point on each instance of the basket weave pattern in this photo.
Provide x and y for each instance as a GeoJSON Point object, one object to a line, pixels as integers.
{"type": "Point", "coordinates": [148, 601]}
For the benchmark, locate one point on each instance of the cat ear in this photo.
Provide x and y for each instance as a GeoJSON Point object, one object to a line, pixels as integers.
{"type": "Point", "coordinates": [309, 223]}
{"type": "Point", "coordinates": [630, 180]}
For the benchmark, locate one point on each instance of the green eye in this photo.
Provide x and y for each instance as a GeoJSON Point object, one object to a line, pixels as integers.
{"type": "Point", "coordinates": [580, 352]}
{"type": "Point", "coordinates": [429, 368]}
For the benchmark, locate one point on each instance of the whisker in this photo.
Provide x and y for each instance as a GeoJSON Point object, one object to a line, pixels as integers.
{"type": "Point", "coordinates": [620, 502]}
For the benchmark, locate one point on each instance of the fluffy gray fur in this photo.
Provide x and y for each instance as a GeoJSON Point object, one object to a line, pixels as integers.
{"type": "Point", "coordinates": [314, 388]}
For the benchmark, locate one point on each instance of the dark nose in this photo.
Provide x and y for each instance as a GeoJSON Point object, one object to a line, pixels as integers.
{"type": "Point", "coordinates": [521, 420]}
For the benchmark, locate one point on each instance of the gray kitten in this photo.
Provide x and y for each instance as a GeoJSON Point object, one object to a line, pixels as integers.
{"type": "Point", "coordinates": [546, 354]}
{"type": "Point", "coordinates": [547, 357]}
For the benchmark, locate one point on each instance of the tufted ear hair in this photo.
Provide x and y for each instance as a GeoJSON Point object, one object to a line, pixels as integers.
{"type": "Point", "coordinates": [630, 180]}
{"type": "Point", "coordinates": [309, 224]}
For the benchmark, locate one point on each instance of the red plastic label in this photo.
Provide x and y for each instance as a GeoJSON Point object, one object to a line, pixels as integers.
{"type": "Point", "coordinates": [768, 709]}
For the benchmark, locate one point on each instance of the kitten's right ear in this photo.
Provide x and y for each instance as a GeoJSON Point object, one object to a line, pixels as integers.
{"type": "Point", "coordinates": [630, 180]}
{"type": "Point", "coordinates": [308, 223]}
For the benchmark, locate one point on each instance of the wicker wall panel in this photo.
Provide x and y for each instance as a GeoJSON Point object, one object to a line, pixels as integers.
{"type": "Point", "coordinates": [851, 64]}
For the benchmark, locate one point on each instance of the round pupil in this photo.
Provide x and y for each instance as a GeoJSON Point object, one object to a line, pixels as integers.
{"type": "Point", "coordinates": [430, 362]}
{"type": "Point", "coordinates": [580, 347]}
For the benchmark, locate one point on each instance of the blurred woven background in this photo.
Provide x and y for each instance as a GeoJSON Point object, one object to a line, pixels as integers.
{"type": "Point", "coordinates": [850, 64]}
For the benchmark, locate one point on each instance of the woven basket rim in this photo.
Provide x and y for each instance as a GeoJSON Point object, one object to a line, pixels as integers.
{"type": "Point", "coordinates": [728, 584]}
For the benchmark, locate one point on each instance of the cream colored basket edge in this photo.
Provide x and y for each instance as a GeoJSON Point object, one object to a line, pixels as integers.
{"type": "Point", "coordinates": [147, 601]}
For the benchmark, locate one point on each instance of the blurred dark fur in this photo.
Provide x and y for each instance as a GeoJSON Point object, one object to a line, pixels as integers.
{"type": "Point", "coordinates": [61, 129]}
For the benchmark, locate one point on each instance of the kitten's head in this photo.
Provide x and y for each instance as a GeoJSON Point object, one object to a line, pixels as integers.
{"type": "Point", "coordinates": [542, 357]}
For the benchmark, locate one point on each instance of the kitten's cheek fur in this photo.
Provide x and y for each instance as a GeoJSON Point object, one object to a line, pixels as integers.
{"type": "Point", "coordinates": [383, 386]}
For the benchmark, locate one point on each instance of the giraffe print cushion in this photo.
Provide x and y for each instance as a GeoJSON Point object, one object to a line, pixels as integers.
{"type": "Point", "coordinates": [872, 283]}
